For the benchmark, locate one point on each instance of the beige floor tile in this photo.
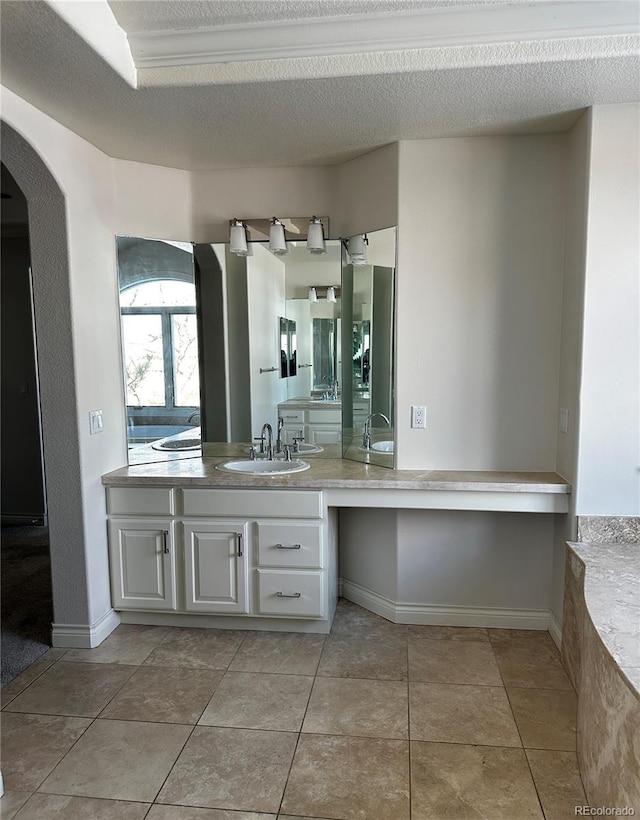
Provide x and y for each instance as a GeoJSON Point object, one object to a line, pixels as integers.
{"type": "Point", "coordinates": [164, 695]}
{"type": "Point", "coordinates": [11, 802]}
{"type": "Point", "coordinates": [251, 700]}
{"type": "Point", "coordinates": [288, 653]}
{"type": "Point", "coordinates": [558, 782]}
{"type": "Point", "coordinates": [528, 658]}
{"type": "Point", "coordinates": [352, 621]}
{"type": "Point", "coordinates": [546, 718]}
{"type": "Point", "coordinates": [197, 649]}
{"type": "Point", "coordinates": [63, 807]}
{"type": "Point", "coordinates": [128, 644]}
{"type": "Point", "coordinates": [26, 678]}
{"type": "Point", "coordinates": [81, 689]}
{"type": "Point", "coordinates": [231, 769]}
{"type": "Point", "coordinates": [349, 778]}
{"type": "Point", "coordinates": [120, 760]}
{"type": "Point", "coordinates": [521, 637]}
{"type": "Point", "coordinates": [440, 661]}
{"type": "Point", "coordinates": [182, 813]}
{"type": "Point", "coordinates": [374, 658]}
{"type": "Point", "coordinates": [459, 782]}
{"type": "Point", "coordinates": [365, 708]}
{"type": "Point", "coordinates": [449, 713]}
{"type": "Point", "coordinates": [32, 745]}
{"type": "Point", "coordinates": [448, 633]}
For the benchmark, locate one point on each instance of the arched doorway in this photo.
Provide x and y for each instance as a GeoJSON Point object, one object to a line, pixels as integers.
{"type": "Point", "coordinates": [53, 329]}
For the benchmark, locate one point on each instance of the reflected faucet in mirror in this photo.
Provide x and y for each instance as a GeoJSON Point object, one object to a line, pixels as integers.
{"type": "Point", "coordinates": [366, 430]}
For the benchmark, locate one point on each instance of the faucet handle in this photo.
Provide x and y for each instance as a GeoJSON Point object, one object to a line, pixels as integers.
{"type": "Point", "coordinates": [261, 440]}
{"type": "Point", "coordinates": [287, 452]}
{"type": "Point", "coordinates": [252, 453]}
{"type": "Point", "coordinates": [296, 442]}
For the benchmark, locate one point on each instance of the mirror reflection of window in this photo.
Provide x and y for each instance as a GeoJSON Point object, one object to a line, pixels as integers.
{"type": "Point", "coordinates": [160, 346]}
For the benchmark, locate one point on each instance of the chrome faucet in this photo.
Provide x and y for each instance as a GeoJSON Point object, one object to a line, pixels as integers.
{"type": "Point", "coordinates": [191, 418]}
{"type": "Point", "coordinates": [269, 430]}
{"type": "Point", "coordinates": [279, 436]}
{"type": "Point", "coordinates": [366, 430]}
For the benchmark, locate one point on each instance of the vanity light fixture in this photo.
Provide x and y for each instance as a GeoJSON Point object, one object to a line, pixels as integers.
{"type": "Point", "coordinates": [238, 238]}
{"type": "Point", "coordinates": [315, 236]}
{"type": "Point", "coordinates": [313, 295]}
{"type": "Point", "coordinates": [331, 294]}
{"type": "Point", "coordinates": [357, 249]}
{"type": "Point", "coordinates": [277, 241]}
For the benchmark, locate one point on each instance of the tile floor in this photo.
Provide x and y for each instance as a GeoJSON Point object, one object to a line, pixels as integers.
{"type": "Point", "coordinates": [377, 721]}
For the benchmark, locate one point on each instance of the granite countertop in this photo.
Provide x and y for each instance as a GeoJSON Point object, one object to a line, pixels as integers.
{"type": "Point", "coordinates": [333, 473]}
{"type": "Point", "coordinates": [612, 597]}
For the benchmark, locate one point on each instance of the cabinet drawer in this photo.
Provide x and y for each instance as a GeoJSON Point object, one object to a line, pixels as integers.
{"type": "Point", "coordinates": [290, 593]}
{"type": "Point", "coordinates": [325, 417]}
{"type": "Point", "coordinates": [253, 503]}
{"type": "Point", "coordinates": [140, 501]}
{"type": "Point", "coordinates": [290, 545]}
{"type": "Point", "coordinates": [291, 417]}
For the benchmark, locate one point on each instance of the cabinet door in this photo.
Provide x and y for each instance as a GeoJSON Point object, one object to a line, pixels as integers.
{"type": "Point", "coordinates": [142, 559]}
{"type": "Point", "coordinates": [216, 578]}
{"type": "Point", "coordinates": [327, 434]}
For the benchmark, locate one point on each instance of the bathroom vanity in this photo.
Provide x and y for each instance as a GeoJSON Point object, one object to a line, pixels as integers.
{"type": "Point", "coordinates": [191, 545]}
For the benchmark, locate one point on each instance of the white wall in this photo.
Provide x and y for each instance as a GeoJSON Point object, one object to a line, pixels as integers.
{"type": "Point", "coordinates": [608, 481]}
{"type": "Point", "coordinates": [102, 199]}
{"type": "Point", "coordinates": [218, 196]}
{"type": "Point", "coordinates": [366, 194]}
{"type": "Point", "coordinates": [475, 559]}
{"type": "Point", "coordinates": [480, 258]}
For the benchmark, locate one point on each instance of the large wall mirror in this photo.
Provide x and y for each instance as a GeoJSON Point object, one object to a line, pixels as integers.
{"type": "Point", "coordinates": [368, 307]}
{"type": "Point", "coordinates": [255, 339]}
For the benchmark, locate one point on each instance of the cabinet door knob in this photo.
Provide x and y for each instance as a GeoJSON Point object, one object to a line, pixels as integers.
{"type": "Point", "coordinates": [288, 594]}
{"type": "Point", "coordinates": [239, 535]}
{"type": "Point", "coordinates": [165, 541]}
{"type": "Point", "coordinates": [288, 546]}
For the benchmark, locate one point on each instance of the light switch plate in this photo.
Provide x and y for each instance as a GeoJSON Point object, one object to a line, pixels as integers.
{"type": "Point", "coordinates": [564, 420]}
{"type": "Point", "coordinates": [95, 422]}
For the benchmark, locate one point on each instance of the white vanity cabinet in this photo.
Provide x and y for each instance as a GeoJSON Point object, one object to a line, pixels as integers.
{"type": "Point", "coordinates": [215, 566]}
{"type": "Point", "coordinates": [318, 425]}
{"type": "Point", "coordinates": [142, 563]}
{"type": "Point", "coordinates": [254, 553]}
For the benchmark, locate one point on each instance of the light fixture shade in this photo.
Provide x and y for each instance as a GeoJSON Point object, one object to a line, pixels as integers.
{"type": "Point", "coordinates": [358, 249]}
{"type": "Point", "coordinates": [313, 295]}
{"type": "Point", "coordinates": [315, 236]}
{"type": "Point", "coordinates": [277, 241]}
{"type": "Point", "coordinates": [331, 294]}
{"type": "Point", "coordinates": [238, 238]}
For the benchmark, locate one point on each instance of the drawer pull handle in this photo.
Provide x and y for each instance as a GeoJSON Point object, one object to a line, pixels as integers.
{"type": "Point", "coordinates": [165, 541]}
{"type": "Point", "coordinates": [288, 546]}
{"type": "Point", "coordinates": [290, 417]}
{"type": "Point", "coordinates": [239, 536]}
{"type": "Point", "coordinates": [288, 594]}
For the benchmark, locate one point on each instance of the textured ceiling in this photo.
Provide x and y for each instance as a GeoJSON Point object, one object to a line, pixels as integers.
{"type": "Point", "coordinates": [160, 15]}
{"type": "Point", "coordinates": [315, 120]}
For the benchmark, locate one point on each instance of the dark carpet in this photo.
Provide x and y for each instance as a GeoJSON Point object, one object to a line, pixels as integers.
{"type": "Point", "coordinates": [26, 606]}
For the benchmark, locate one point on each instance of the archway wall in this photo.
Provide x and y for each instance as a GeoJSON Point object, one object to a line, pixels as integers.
{"type": "Point", "coordinates": [79, 199]}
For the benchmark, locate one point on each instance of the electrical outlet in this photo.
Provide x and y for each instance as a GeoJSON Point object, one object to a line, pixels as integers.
{"type": "Point", "coordinates": [564, 420]}
{"type": "Point", "coordinates": [418, 417]}
{"type": "Point", "coordinates": [95, 422]}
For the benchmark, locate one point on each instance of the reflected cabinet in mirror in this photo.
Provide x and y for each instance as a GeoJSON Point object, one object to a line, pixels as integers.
{"type": "Point", "coordinates": [368, 286]}
{"type": "Point", "coordinates": [215, 345]}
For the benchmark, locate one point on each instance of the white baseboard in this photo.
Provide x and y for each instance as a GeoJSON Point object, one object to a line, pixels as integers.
{"type": "Point", "coordinates": [401, 613]}
{"type": "Point", "coordinates": [84, 636]}
{"type": "Point", "coordinates": [555, 630]}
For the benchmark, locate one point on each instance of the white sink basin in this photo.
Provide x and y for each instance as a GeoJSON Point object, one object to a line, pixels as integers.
{"type": "Point", "coordinates": [178, 444]}
{"type": "Point", "coordinates": [379, 447]}
{"type": "Point", "coordinates": [264, 466]}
